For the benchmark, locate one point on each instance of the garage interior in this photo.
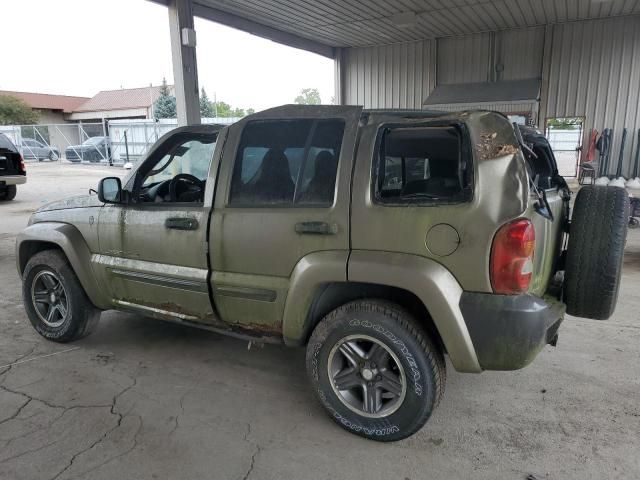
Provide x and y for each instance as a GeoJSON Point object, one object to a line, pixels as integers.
{"type": "Point", "coordinates": [534, 59]}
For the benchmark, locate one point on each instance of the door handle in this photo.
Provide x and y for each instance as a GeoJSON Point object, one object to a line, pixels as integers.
{"type": "Point", "coordinates": [316, 228]}
{"type": "Point", "coordinates": [181, 223]}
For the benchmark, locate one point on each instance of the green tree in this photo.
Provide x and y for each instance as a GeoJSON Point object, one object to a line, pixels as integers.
{"type": "Point", "coordinates": [564, 123]}
{"type": "Point", "coordinates": [225, 110]}
{"type": "Point", "coordinates": [206, 109]}
{"type": "Point", "coordinates": [308, 96]}
{"type": "Point", "coordinates": [251, 111]}
{"type": "Point", "coordinates": [14, 111]}
{"type": "Point", "coordinates": [165, 106]}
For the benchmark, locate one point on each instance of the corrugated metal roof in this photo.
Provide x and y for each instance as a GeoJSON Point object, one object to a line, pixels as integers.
{"type": "Point", "coordinates": [486, 92]}
{"type": "Point", "coordinates": [46, 101]}
{"type": "Point", "coordinates": [371, 22]}
{"type": "Point", "coordinates": [125, 98]}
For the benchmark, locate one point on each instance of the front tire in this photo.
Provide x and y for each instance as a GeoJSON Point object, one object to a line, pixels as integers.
{"type": "Point", "coordinates": [55, 302]}
{"type": "Point", "coordinates": [375, 370]}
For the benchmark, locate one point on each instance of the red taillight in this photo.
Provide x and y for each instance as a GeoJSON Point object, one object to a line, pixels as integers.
{"type": "Point", "coordinates": [511, 267]}
{"type": "Point", "coordinates": [23, 167]}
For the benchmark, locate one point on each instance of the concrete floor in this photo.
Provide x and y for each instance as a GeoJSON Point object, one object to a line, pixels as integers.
{"type": "Point", "coordinates": [149, 400]}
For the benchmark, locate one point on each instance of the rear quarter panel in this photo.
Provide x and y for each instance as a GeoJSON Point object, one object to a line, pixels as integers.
{"type": "Point", "coordinates": [500, 194]}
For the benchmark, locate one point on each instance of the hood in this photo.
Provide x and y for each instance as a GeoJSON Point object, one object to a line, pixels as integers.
{"type": "Point", "coordinates": [79, 147]}
{"type": "Point", "coordinates": [77, 201]}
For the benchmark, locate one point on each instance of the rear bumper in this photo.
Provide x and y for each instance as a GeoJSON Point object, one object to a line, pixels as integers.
{"type": "Point", "coordinates": [12, 180]}
{"type": "Point", "coordinates": [508, 331]}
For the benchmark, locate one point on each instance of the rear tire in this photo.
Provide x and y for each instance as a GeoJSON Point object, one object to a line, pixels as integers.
{"type": "Point", "coordinates": [375, 370]}
{"type": "Point", "coordinates": [596, 247]}
{"type": "Point", "coordinates": [9, 193]}
{"type": "Point", "coordinates": [55, 302]}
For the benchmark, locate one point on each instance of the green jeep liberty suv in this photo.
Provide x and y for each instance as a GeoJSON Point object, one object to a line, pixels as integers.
{"type": "Point", "coordinates": [380, 240]}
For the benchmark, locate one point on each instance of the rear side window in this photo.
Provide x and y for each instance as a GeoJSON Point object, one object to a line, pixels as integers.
{"type": "Point", "coordinates": [286, 163]}
{"type": "Point", "coordinates": [422, 165]}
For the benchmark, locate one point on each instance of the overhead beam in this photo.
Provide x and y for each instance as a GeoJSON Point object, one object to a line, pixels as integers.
{"type": "Point", "coordinates": [263, 31]}
{"type": "Point", "coordinates": [185, 66]}
{"type": "Point", "coordinates": [259, 29]}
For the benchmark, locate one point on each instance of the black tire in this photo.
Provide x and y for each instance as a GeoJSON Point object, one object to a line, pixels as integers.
{"type": "Point", "coordinates": [81, 316]}
{"type": "Point", "coordinates": [596, 247]}
{"type": "Point", "coordinates": [9, 193]}
{"type": "Point", "coordinates": [421, 361]}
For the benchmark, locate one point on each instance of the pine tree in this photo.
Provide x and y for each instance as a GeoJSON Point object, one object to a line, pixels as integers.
{"type": "Point", "coordinates": [165, 106]}
{"type": "Point", "coordinates": [206, 109]}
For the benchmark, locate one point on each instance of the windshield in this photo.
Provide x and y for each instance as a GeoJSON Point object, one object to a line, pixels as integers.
{"type": "Point", "coordinates": [93, 141]}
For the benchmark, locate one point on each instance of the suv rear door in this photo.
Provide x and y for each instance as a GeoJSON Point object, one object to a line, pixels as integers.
{"type": "Point", "coordinates": [283, 193]}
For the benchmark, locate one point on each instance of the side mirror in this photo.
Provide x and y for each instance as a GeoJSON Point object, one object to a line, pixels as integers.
{"type": "Point", "coordinates": [110, 190]}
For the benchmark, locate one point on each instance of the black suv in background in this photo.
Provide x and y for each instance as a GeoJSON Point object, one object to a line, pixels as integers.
{"type": "Point", "coordinates": [12, 170]}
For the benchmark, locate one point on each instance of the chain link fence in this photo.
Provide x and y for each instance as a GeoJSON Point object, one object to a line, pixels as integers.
{"type": "Point", "coordinates": [132, 139]}
{"type": "Point", "coordinates": [65, 142]}
{"type": "Point", "coordinates": [117, 142]}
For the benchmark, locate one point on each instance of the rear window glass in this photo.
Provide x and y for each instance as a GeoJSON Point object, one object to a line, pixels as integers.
{"type": "Point", "coordinates": [287, 162]}
{"type": "Point", "coordinates": [417, 165]}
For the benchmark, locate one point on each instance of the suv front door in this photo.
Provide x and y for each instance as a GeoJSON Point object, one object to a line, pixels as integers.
{"type": "Point", "coordinates": [153, 248]}
{"type": "Point", "coordinates": [283, 196]}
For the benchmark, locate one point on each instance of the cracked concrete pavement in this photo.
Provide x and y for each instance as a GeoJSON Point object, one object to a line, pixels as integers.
{"type": "Point", "coordinates": [145, 399]}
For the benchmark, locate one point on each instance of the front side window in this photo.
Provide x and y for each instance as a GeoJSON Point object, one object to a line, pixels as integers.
{"type": "Point", "coordinates": [287, 162]}
{"type": "Point", "coordinates": [180, 174]}
{"type": "Point", "coordinates": [418, 165]}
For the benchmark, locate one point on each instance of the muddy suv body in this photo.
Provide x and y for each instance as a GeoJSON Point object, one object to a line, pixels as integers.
{"type": "Point", "coordinates": [380, 240]}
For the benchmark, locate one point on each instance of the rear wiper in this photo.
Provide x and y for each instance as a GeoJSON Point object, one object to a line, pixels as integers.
{"type": "Point", "coordinates": [521, 141]}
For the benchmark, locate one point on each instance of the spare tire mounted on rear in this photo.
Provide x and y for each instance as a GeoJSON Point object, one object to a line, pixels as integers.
{"type": "Point", "coordinates": [596, 246]}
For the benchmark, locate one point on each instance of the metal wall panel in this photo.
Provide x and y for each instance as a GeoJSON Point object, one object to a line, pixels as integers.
{"type": "Point", "coordinates": [520, 53]}
{"type": "Point", "coordinates": [463, 59]}
{"type": "Point", "coordinates": [397, 75]}
{"type": "Point", "coordinates": [593, 71]}
{"type": "Point", "coordinates": [590, 69]}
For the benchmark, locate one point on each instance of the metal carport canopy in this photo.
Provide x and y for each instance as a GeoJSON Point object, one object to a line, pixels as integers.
{"type": "Point", "coordinates": [325, 26]}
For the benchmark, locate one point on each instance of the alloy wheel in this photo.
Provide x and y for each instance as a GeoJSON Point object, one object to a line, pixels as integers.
{"type": "Point", "coordinates": [367, 376]}
{"type": "Point", "coordinates": [49, 298]}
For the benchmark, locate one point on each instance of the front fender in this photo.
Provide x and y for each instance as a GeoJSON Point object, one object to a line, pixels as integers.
{"type": "Point", "coordinates": [69, 239]}
{"type": "Point", "coordinates": [433, 284]}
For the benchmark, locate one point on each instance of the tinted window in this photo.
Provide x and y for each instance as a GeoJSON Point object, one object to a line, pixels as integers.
{"type": "Point", "coordinates": [421, 164]}
{"type": "Point", "coordinates": [287, 162]}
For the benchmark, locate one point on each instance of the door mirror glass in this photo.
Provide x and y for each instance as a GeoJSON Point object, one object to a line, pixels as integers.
{"type": "Point", "coordinates": [110, 190]}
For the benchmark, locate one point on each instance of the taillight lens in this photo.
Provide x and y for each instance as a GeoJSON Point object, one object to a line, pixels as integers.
{"type": "Point", "coordinates": [511, 267]}
{"type": "Point", "coordinates": [23, 167]}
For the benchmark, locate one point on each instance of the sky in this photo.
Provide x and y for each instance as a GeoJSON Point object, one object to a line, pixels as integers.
{"type": "Point", "coordinates": [79, 47]}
